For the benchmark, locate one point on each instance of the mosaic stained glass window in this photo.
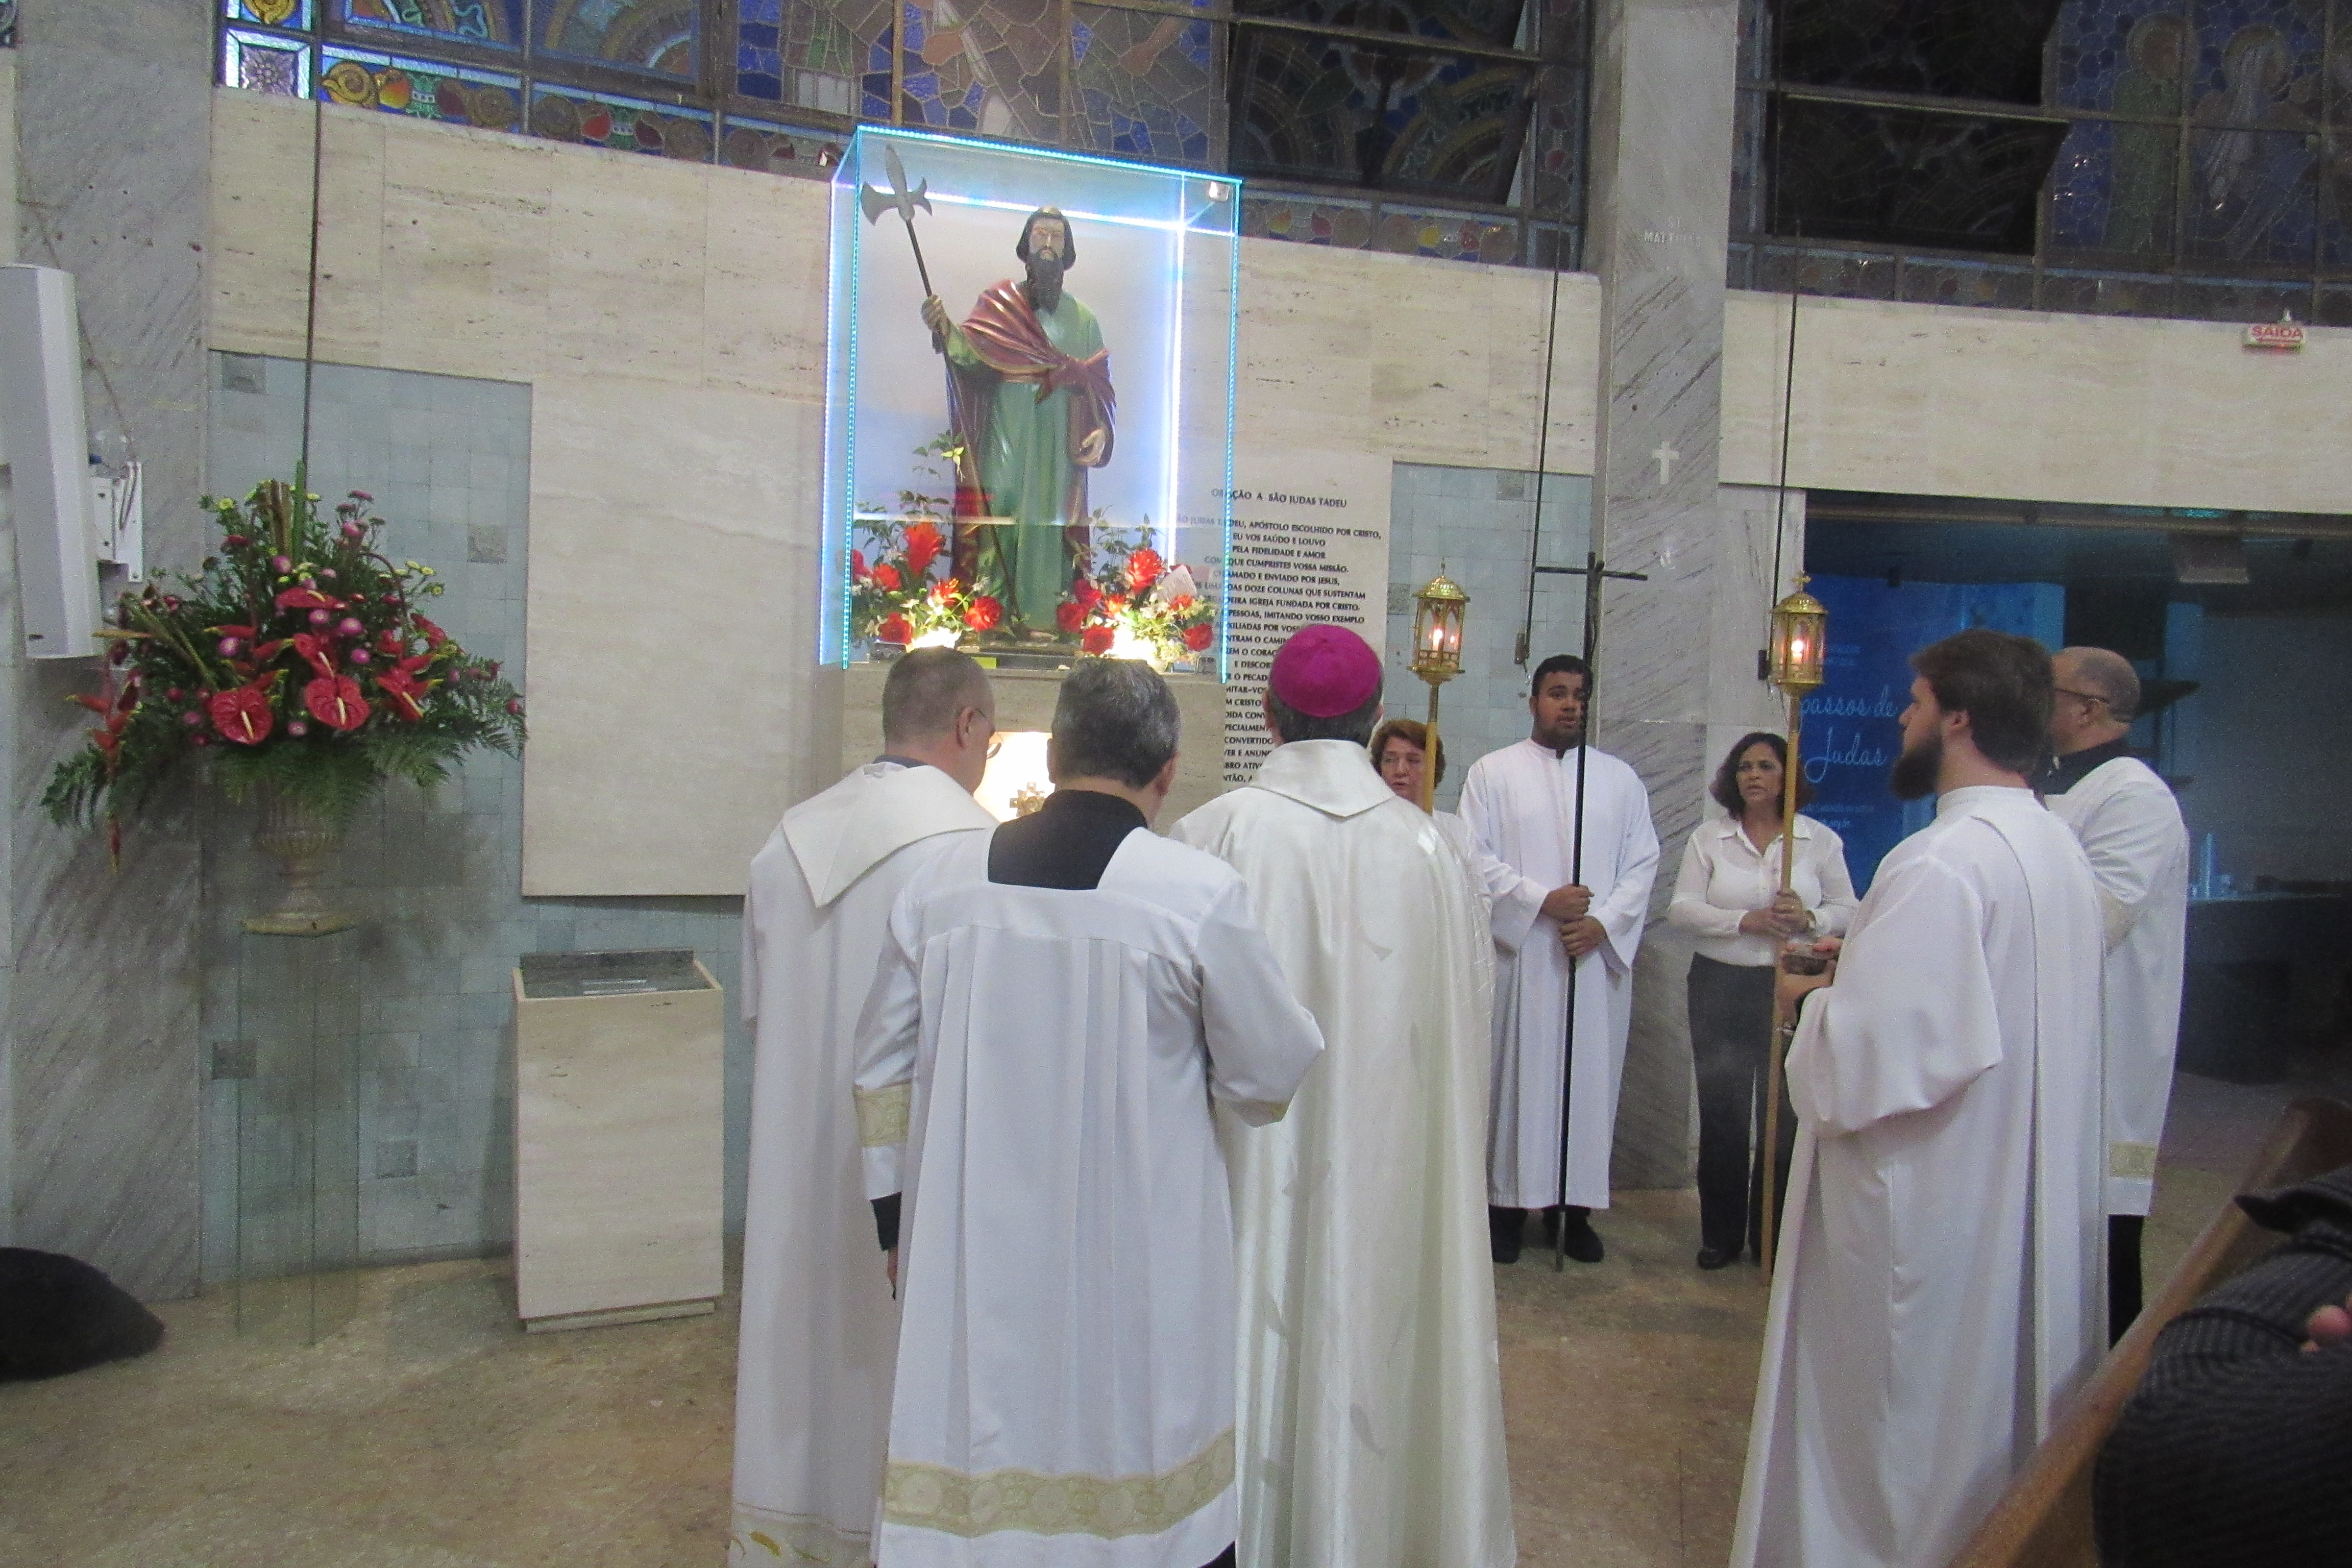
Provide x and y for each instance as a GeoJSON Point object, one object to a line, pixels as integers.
{"type": "Point", "coordinates": [263, 62]}
{"type": "Point", "coordinates": [489, 23]}
{"type": "Point", "coordinates": [421, 90]}
{"type": "Point", "coordinates": [623, 125]}
{"type": "Point", "coordinates": [269, 13]}
{"type": "Point", "coordinates": [654, 35]}
{"type": "Point", "coordinates": [2205, 167]}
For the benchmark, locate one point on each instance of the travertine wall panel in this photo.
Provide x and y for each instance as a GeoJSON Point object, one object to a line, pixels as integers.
{"type": "Point", "coordinates": [1950, 400]}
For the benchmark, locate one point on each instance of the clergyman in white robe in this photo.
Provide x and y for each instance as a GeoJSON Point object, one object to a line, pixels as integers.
{"type": "Point", "coordinates": [812, 1383]}
{"type": "Point", "coordinates": [1036, 1069]}
{"type": "Point", "coordinates": [1938, 1285]}
{"type": "Point", "coordinates": [1372, 1404]}
{"type": "Point", "coordinates": [1520, 805]}
{"type": "Point", "coordinates": [2130, 826]}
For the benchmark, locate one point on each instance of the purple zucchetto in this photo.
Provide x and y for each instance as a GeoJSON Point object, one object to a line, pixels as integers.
{"type": "Point", "coordinates": [1324, 672]}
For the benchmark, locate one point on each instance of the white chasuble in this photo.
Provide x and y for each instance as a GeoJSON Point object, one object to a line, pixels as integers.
{"type": "Point", "coordinates": [1520, 805]}
{"type": "Point", "coordinates": [812, 1380]}
{"type": "Point", "coordinates": [1940, 1287]}
{"type": "Point", "coordinates": [1372, 1404]}
{"type": "Point", "coordinates": [1037, 1070]}
{"type": "Point", "coordinates": [2131, 827]}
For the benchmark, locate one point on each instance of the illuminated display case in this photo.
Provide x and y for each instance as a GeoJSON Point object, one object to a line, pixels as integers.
{"type": "Point", "coordinates": [1029, 418]}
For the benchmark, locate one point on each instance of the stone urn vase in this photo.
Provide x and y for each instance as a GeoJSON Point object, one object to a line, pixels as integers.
{"type": "Point", "coordinates": [300, 841]}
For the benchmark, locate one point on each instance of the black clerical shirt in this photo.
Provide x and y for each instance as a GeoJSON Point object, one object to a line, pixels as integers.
{"type": "Point", "coordinates": [1066, 843]}
{"type": "Point", "coordinates": [2072, 769]}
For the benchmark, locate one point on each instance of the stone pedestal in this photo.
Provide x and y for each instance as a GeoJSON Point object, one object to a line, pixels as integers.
{"type": "Point", "coordinates": [1024, 703]}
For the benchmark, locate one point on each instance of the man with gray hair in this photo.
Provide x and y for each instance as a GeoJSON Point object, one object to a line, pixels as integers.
{"type": "Point", "coordinates": [1059, 1004]}
{"type": "Point", "coordinates": [2130, 826]}
{"type": "Point", "coordinates": [812, 1380]}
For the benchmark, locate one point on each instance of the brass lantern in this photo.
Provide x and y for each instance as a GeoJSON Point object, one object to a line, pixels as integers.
{"type": "Point", "coordinates": [1437, 658]}
{"type": "Point", "coordinates": [1799, 650]}
{"type": "Point", "coordinates": [1437, 629]}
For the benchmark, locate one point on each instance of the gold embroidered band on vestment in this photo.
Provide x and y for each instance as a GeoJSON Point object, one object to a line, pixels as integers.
{"type": "Point", "coordinates": [882, 1115]}
{"type": "Point", "coordinates": [932, 1497]}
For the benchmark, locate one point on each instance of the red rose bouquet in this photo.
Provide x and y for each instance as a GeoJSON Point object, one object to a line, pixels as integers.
{"type": "Point", "coordinates": [296, 659]}
{"type": "Point", "coordinates": [1135, 598]}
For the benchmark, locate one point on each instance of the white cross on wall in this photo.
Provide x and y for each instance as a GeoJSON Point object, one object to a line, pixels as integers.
{"type": "Point", "coordinates": [1664, 456]}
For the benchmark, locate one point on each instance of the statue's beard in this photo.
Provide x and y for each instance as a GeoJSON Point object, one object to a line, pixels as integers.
{"type": "Point", "coordinates": [1914, 775]}
{"type": "Point", "coordinates": [1044, 286]}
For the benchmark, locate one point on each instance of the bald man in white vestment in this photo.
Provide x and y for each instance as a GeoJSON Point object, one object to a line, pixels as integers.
{"type": "Point", "coordinates": [2131, 829]}
{"type": "Point", "coordinates": [1937, 1296]}
{"type": "Point", "coordinates": [812, 1381]}
{"type": "Point", "coordinates": [1371, 1406]}
{"type": "Point", "coordinates": [1520, 805]}
{"type": "Point", "coordinates": [1060, 1005]}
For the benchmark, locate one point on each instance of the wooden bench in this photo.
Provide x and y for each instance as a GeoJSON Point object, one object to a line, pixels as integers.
{"type": "Point", "coordinates": [2043, 1520]}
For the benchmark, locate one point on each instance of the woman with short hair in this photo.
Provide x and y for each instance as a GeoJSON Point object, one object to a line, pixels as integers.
{"type": "Point", "coordinates": [1729, 896]}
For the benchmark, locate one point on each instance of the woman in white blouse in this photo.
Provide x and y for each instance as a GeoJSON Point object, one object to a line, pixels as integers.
{"type": "Point", "coordinates": [1729, 896]}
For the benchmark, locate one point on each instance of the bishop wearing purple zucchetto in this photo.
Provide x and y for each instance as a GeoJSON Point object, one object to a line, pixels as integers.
{"type": "Point", "coordinates": [1371, 1412]}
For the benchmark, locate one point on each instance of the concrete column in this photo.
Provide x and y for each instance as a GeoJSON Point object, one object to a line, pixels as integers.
{"type": "Point", "coordinates": [113, 140]}
{"type": "Point", "coordinates": [1661, 181]}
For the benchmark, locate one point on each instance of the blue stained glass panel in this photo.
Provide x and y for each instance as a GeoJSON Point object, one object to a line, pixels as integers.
{"type": "Point", "coordinates": [259, 62]}
{"type": "Point", "coordinates": [2129, 55]}
{"type": "Point", "coordinates": [660, 36]}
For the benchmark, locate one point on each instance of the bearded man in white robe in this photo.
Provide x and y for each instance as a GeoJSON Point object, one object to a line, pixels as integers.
{"type": "Point", "coordinates": [1937, 1295]}
{"type": "Point", "coordinates": [1520, 804]}
{"type": "Point", "coordinates": [820, 1330]}
{"type": "Point", "coordinates": [2130, 826]}
{"type": "Point", "coordinates": [1060, 1005]}
{"type": "Point", "coordinates": [1371, 1406]}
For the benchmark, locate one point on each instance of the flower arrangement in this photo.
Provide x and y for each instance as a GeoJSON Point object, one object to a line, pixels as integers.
{"type": "Point", "coordinates": [1134, 605]}
{"type": "Point", "coordinates": [893, 599]}
{"type": "Point", "coordinates": [295, 658]}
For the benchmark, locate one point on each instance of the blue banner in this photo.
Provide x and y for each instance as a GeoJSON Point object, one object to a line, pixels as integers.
{"type": "Point", "coordinates": [1852, 730]}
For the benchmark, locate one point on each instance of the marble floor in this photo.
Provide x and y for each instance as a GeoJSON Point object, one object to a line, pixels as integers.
{"type": "Point", "coordinates": [429, 1433]}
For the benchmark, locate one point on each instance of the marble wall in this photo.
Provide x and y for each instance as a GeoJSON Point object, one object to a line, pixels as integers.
{"type": "Point", "coordinates": [436, 875]}
{"type": "Point", "coordinates": [113, 118]}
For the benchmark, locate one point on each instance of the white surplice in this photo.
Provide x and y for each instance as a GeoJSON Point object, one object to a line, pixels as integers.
{"type": "Point", "coordinates": [1940, 1289]}
{"type": "Point", "coordinates": [1371, 1405]}
{"type": "Point", "coordinates": [2130, 826]}
{"type": "Point", "coordinates": [1520, 805]}
{"type": "Point", "coordinates": [1036, 1069]}
{"type": "Point", "coordinates": [812, 1379]}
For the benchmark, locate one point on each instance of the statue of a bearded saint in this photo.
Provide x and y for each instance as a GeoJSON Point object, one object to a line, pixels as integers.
{"type": "Point", "coordinates": [1030, 393]}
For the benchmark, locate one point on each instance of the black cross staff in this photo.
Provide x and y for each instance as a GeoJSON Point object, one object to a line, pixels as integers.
{"type": "Point", "coordinates": [1595, 571]}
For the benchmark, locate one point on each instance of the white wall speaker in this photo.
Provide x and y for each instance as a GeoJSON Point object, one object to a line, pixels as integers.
{"type": "Point", "coordinates": [49, 461]}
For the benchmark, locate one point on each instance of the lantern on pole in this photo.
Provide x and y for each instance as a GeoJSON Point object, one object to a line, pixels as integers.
{"type": "Point", "coordinates": [1797, 656]}
{"type": "Point", "coordinates": [1437, 658]}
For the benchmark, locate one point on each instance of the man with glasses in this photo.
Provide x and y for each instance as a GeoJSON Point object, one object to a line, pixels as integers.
{"type": "Point", "coordinates": [2130, 826]}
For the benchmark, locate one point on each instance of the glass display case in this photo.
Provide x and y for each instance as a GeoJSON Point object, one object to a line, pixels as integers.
{"type": "Point", "coordinates": [1029, 417]}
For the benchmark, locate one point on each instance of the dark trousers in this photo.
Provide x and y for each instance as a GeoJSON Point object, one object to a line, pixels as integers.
{"type": "Point", "coordinates": [1223, 1559]}
{"type": "Point", "coordinates": [1731, 1028]}
{"type": "Point", "coordinates": [2123, 1273]}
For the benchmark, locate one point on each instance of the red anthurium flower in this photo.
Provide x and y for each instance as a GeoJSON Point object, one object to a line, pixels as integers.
{"type": "Point", "coordinates": [1143, 569]}
{"type": "Point", "coordinates": [885, 577]}
{"type": "Point", "coordinates": [857, 566]}
{"type": "Point", "coordinates": [923, 542]}
{"type": "Point", "coordinates": [984, 614]}
{"type": "Point", "coordinates": [433, 635]}
{"type": "Point", "coordinates": [406, 692]}
{"type": "Point", "coordinates": [392, 643]}
{"type": "Point", "coordinates": [1085, 593]}
{"type": "Point", "coordinates": [242, 713]}
{"type": "Point", "coordinates": [335, 701]}
{"type": "Point", "coordinates": [96, 704]}
{"type": "Point", "coordinates": [943, 592]}
{"type": "Point", "coordinates": [1113, 603]}
{"type": "Point", "coordinates": [1097, 639]}
{"type": "Point", "coordinates": [895, 628]}
{"type": "Point", "coordinates": [307, 599]}
{"type": "Point", "coordinates": [1180, 603]}
{"type": "Point", "coordinates": [1198, 638]}
{"type": "Point", "coordinates": [1070, 617]}
{"type": "Point", "coordinates": [316, 650]}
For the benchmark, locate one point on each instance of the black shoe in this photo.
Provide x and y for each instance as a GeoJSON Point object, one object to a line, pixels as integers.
{"type": "Point", "coordinates": [1580, 1241]}
{"type": "Point", "coordinates": [1505, 1227]}
{"type": "Point", "coordinates": [1714, 1258]}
